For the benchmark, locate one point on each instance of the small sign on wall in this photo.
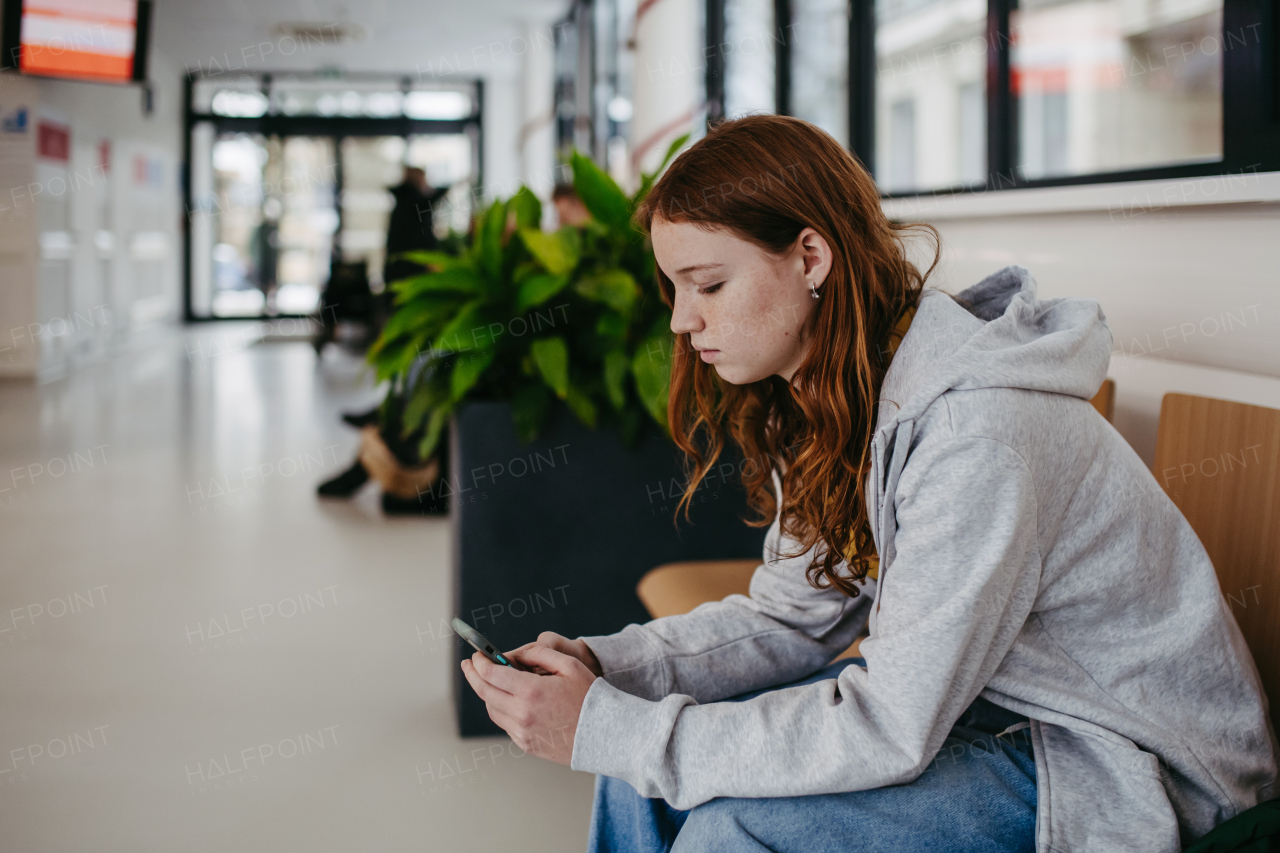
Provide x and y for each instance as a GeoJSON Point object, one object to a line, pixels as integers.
{"type": "Point", "coordinates": [53, 141]}
{"type": "Point", "coordinates": [148, 171]}
{"type": "Point", "coordinates": [13, 120]}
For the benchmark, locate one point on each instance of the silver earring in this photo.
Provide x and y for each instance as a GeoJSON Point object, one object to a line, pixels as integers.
{"type": "Point", "coordinates": [813, 290]}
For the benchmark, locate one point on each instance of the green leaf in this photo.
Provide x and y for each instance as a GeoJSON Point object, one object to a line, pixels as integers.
{"type": "Point", "coordinates": [539, 289]}
{"type": "Point", "coordinates": [527, 208]}
{"type": "Point", "coordinates": [473, 249]}
{"type": "Point", "coordinates": [647, 180]}
{"type": "Point", "coordinates": [580, 404]}
{"type": "Point", "coordinates": [428, 313]}
{"type": "Point", "coordinates": [466, 331]}
{"type": "Point", "coordinates": [612, 326]}
{"type": "Point", "coordinates": [524, 271]}
{"type": "Point", "coordinates": [439, 260]}
{"type": "Point", "coordinates": [467, 371]}
{"type": "Point", "coordinates": [427, 447]}
{"type": "Point", "coordinates": [489, 241]}
{"type": "Point", "coordinates": [423, 399]}
{"type": "Point", "coordinates": [652, 368]}
{"type": "Point", "coordinates": [457, 279]}
{"type": "Point", "coordinates": [615, 288]}
{"type": "Point", "coordinates": [552, 357]}
{"type": "Point", "coordinates": [395, 358]}
{"type": "Point", "coordinates": [530, 405]}
{"type": "Point", "coordinates": [558, 251]}
{"type": "Point", "coordinates": [600, 194]}
{"type": "Point", "coordinates": [672, 149]}
{"type": "Point", "coordinates": [616, 367]}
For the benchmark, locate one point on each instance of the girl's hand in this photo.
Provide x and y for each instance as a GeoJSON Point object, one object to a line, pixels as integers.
{"type": "Point", "coordinates": [572, 648]}
{"type": "Point", "coordinates": [539, 712]}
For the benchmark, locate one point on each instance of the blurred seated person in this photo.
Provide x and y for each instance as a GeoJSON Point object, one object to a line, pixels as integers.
{"type": "Point", "coordinates": [395, 456]}
{"type": "Point", "coordinates": [410, 484]}
{"type": "Point", "coordinates": [569, 207]}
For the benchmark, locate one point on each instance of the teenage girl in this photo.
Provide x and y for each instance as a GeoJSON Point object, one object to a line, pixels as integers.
{"type": "Point", "coordinates": [1051, 665]}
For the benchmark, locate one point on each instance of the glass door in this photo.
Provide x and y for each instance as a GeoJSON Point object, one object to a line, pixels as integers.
{"type": "Point", "coordinates": [291, 173]}
{"type": "Point", "coordinates": [276, 211]}
{"type": "Point", "coordinates": [302, 195]}
{"type": "Point", "coordinates": [272, 224]}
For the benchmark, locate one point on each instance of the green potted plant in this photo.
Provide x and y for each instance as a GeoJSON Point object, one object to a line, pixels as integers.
{"type": "Point", "coordinates": [531, 317]}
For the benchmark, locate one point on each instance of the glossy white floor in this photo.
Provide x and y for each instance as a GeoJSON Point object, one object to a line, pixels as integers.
{"type": "Point", "coordinates": [196, 654]}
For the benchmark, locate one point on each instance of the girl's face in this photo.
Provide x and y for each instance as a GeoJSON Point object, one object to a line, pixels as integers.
{"type": "Point", "coordinates": [741, 306]}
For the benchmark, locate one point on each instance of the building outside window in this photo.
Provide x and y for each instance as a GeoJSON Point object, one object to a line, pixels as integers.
{"type": "Point", "coordinates": [963, 95]}
{"type": "Point", "coordinates": [1106, 85]}
{"type": "Point", "coordinates": [819, 43]}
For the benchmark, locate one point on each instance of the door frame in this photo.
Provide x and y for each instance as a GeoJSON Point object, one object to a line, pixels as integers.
{"type": "Point", "coordinates": [335, 127]}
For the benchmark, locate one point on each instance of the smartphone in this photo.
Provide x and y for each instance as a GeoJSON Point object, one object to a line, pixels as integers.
{"type": "Point", "coordinates": [483, 646]}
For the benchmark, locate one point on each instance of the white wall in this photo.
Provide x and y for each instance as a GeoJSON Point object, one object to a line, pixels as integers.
{"type": "Point", "coordinates": [536, 139]}
{"type": "Point", "coordinates": [102, 258]}
{"type": "Point", "coordinates": [19, 352]}
{"type": "Point", "coordinates": [502, 167]}
{"type": "Point", "coordinates": [1188, 274]}
{"type": "Point", "coordinates": [668, 79]}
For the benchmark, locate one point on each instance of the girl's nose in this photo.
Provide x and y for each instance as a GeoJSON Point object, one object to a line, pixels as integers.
{"type": "Point", "coordinates": [684, 319]}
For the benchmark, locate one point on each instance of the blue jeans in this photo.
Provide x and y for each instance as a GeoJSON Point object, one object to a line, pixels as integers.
{"type": "Point", "coordinates": [979, 794]}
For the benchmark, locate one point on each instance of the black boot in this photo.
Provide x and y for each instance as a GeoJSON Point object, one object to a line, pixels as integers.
{"type": "Point", "coordinates": [361, 419]}
{"type": "Point", "coordinates": [345, 484]}
{"type": "Point", "coordinates": [425, 504]}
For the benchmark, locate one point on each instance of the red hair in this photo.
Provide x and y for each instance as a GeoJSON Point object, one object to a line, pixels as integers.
{"type": "Point", "coordinates": [765, 178]}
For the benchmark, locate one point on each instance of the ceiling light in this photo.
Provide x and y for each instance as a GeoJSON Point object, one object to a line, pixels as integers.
{"type": "Point", "coordinates": [619, 109]}
{"type": "Point", "coordinates": [437, 104]}
{"type": "Point", "coordinates": [233, 104]}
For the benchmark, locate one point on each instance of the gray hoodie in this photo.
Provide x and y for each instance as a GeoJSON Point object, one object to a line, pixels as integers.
{"type": "Point", "coordinates": [1027, 556]}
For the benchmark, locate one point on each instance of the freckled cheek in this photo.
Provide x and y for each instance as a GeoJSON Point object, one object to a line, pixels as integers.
{"type": "Point", "coordinates": [722, 326]}
{"type": "Point", "coordinates": [735, 327]}
{"type": "Point", "coordinates": [750, 323]}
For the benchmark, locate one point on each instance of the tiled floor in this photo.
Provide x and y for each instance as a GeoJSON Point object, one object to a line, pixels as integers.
{"type": "Point", "coordinates": [198, 655]}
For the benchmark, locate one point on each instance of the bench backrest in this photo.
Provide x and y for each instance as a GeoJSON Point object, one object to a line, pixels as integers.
{"type": "Point", "coordinates": [1220, 463]}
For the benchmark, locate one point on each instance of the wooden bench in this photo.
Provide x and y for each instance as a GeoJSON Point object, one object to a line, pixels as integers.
{"type": "Point", "coordinates": [1220, 463]}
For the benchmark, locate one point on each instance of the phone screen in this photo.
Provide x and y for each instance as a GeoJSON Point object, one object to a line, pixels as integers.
{"type": "Point", "coordinates": [478, 642]}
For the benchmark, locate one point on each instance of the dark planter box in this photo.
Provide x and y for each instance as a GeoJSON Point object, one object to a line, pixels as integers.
{"type": "Point", "coordinates": [554, 535]}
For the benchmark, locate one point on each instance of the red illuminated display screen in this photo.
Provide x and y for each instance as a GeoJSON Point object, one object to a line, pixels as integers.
{"type": "Point", "coordinates": [83, 39]}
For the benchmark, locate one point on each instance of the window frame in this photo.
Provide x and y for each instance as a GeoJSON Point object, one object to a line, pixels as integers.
{"type": "Point", "coordinates": [279, 124]}
{"type": "Point", "coordinates": [716, 65]}
{"type": "Point", "coordinates": [1250, 98]}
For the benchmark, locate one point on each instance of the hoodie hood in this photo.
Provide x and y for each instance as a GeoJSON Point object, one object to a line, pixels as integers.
{"type": "Point", "coordinates": [997, 334]}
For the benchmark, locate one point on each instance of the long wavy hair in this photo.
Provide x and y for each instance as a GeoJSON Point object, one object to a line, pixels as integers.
{"type": "Point", "coordinates": [765, 178]}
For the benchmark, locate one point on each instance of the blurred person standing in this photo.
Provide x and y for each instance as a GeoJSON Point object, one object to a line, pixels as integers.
{"type": "Point", "coordinates": [411, 225]}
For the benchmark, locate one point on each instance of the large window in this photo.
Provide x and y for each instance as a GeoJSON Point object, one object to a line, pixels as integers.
{"type": "Point", "coordinates": [820, 64]}
{"type": "Point", "coordinates": [930, 74]}
{"type": "Point", "coordinates": [1104, 85]}
{"type": "Point", "coordinates": [964, 95]}
{"type": "Point", "coordinates": [750, 57]}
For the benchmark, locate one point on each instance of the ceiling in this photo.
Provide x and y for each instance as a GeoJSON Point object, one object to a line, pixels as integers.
{"type": "Point", "coordinates": [424, 37]}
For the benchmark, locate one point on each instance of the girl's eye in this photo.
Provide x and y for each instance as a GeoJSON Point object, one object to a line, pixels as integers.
{"type": "Point", "coordinates": [711, 288]}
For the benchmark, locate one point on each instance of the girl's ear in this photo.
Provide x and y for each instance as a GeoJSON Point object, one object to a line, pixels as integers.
{"type": "Point", "coordinates": [817, 256]}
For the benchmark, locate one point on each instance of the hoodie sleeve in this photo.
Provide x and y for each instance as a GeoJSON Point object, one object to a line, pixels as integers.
{"type": "Point", "coordinates": [950, 605]}
{"type": "Point", "coordinates": [783, 630]}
